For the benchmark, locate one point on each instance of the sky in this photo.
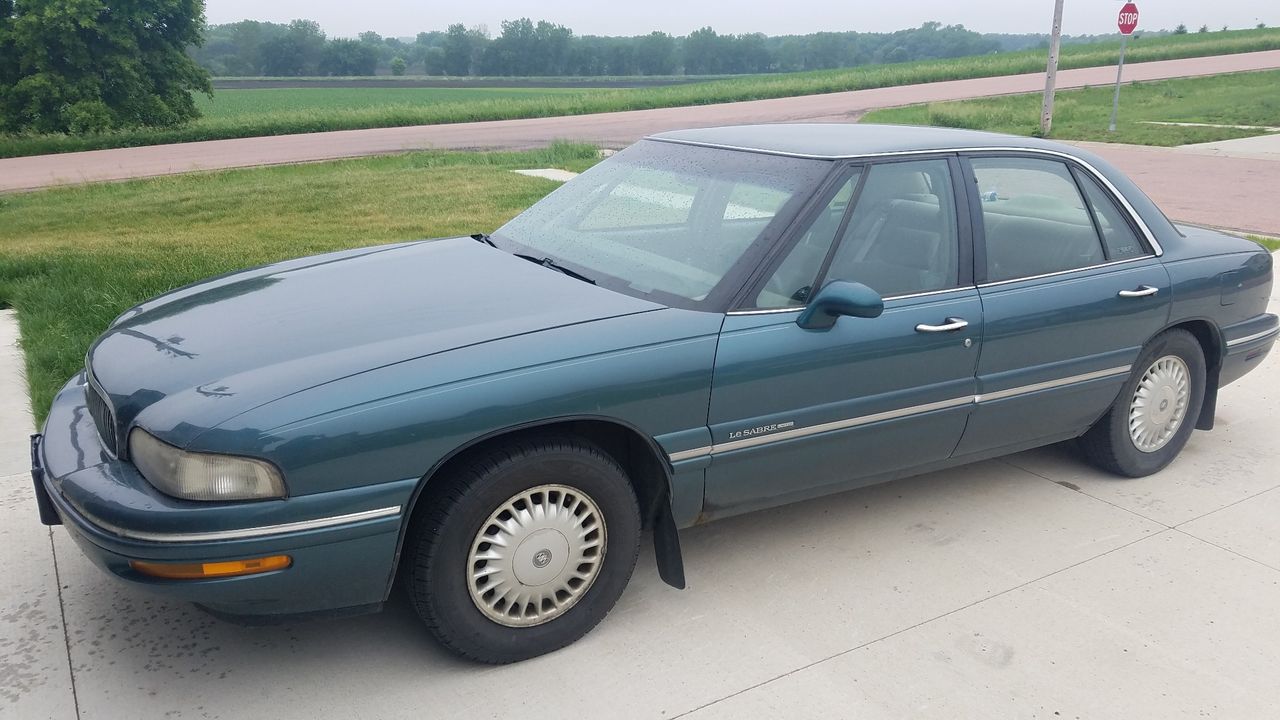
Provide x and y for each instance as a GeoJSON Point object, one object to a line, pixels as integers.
{"type": "Point", "coordinates": [405, 18]}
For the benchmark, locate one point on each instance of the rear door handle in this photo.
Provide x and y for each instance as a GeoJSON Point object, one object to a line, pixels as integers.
{"type": "Point", "coordinates": [1142, 291]}
{"type": "Point", "coordinates": [952, 325]}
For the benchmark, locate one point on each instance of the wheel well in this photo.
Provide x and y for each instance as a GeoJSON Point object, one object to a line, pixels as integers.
{"type": "Point", "coordinates": [637, 454]}
{"type": "Point", "coordinates": [1209, 338]}
{"type": "Point", "coordinates": [1206, 333]}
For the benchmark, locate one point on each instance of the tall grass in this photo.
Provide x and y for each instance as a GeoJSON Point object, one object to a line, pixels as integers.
{"type": "Point", "coordinates": [756, 87]}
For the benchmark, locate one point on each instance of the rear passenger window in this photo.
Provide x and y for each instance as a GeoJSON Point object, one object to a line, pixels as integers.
{"type": "Point", "coordinates": [901, 238]}
{"type": "Point", "coordinates": [1121, 241]}
{"type": "Point", "coordinates": [1036, 222]}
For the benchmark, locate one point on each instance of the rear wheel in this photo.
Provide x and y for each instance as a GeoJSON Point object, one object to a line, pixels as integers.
{"type": "Point", "coordinates": [524, 549]}
{"type": "Point", "coordinates": [1156, 411]}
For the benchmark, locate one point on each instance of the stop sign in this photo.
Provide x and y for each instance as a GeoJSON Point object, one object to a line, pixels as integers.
{"type": "Point", "coordinates": [1128, 20]}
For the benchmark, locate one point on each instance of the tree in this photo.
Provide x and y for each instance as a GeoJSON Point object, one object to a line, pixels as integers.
{"type": "Point", "coordinates": [88, 66]}
{"type": "Point", "coordinates": [298, 51]}
{"type": "Point", "coordinates": [1180, 30]}
{"type": "Point", "coordinates": [703, 52]}
{"type": "Point", "coordinates": [433, 61]}
{"type": "Point", "coordinates": [656, 54]}
{"type": "Point", "coordinates": [398, 65]}
{"type": "Point", "coordinates": [459, 50]}
{"type": "Point", "coordinates": [349, 57]}
{"type": "Point", "coordinates": [1203, 29]}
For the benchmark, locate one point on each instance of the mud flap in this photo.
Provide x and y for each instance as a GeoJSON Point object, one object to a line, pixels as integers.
{"type": "Point", "coordinates": [1209, 406]}
{"type": "Point", "coordinates": [666, 547]}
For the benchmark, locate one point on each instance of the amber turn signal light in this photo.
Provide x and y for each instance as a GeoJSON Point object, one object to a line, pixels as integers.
{"type": "Point", "coordinates": [197, 571]}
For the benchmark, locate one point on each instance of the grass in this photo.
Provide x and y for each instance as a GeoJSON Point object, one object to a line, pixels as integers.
{"type": "Point", "coordinates": [241, 106]}
{"type": "Point", "coordinates": [1238, 99]}
{"type": "Point", "coordinates": [739, 88]}
{"type": "Point", "coordinates": [1270, 243]}
{"type": "Point", "coordinates": [72, 259]}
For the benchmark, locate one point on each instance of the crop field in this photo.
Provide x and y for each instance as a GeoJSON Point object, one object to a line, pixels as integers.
{"type": "Point", "coordinates": [1237, 99]}
{"type": "Point", "coordinates": [256, 104]}
{"type": "Point", "coordinates": [284, 120]}
{"type": "Point", "coordinates": [73, 259]}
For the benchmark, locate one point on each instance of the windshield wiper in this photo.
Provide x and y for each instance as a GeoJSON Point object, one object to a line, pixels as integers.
{"type": "Point", "coordinates": [481, 237]}
{"type": "Point", "coordinates": [547, 262]}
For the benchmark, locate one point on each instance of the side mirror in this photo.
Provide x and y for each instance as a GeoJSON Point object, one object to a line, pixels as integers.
{"type": "Point", "coordinates": [837, 298]}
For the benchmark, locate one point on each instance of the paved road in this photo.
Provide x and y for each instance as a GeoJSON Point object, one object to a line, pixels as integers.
{"type": "Point", "coordinates": [609, 129]}
{"type": "Point", "coordinates": [1032, 586]}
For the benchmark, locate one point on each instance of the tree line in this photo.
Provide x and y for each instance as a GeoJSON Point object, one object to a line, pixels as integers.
{"type": "Point", "coordinates": [526, 48]}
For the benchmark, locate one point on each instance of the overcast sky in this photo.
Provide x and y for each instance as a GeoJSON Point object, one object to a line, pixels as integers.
{"type": "Point", "coordinates": [401, 18]}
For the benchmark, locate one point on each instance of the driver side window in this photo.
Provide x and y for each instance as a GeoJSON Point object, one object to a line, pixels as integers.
{"type": "Point", "coordinates": [900, 237]}
{"type": "Point", "coordinates": [792, 283]}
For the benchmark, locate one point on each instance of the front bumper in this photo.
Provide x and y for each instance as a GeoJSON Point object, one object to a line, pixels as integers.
{"type": "Point", "coordinates": [343, 544]}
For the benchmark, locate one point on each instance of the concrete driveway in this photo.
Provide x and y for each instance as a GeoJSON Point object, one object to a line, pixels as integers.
{"type": "Point", "coordinates": [1027, 587]}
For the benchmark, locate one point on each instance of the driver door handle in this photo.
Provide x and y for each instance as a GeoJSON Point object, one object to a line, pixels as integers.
{"type": "Point", "coordinates": [951, 325]}
{"type": "Point", "coordinates": [1142, 291]}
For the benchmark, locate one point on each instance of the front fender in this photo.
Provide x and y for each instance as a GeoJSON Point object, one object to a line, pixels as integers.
{"type": "Point", "coordinates": [649, 370]}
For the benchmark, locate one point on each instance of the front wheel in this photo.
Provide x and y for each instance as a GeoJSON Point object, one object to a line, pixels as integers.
{"type": "Point", "coordinates": [524, 549]}
{"type": "Point", "coordinates": [1156, 411]}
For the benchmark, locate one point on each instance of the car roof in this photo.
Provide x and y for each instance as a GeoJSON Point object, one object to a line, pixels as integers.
{"type": "Point", "coordinates": [832, 141]}
{"type": "Point", "coordinates": [844, 140]}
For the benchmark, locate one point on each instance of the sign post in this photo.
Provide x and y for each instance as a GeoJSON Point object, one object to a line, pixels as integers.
{"type": "Point", "coordinates": [1127, 22]}
{"type": "Point", "coordinates": [1051, 73]}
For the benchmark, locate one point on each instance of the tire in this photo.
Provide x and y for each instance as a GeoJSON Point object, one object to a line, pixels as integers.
{"type": "Point", "coordinates": [540, 483]}
{"type": "Point", "coordinates": [1112, 446]}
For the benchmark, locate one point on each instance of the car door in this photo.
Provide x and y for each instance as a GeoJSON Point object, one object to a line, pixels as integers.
{"type": "Point", "coordinates": [1070, 292]}
{"type": "Point", "coordinates": [798, 412]}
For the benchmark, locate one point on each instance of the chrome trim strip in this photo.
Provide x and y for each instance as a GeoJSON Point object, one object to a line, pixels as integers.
{"type": "Point", "coordinates": [690, 454]}
{"type": "Point", "coordinates": [772, 311]}
{"type": "Point", "coordinates": [927, 294]}
{"type": "Point", "coordinates": [1251, 338]}
{"type": "Point", "coordinates": [887, 299]}
{"type": "Point", "coordinates": [253, 532]}
{"type": "Point", "coordinates": [1115, 193]}
{"type": "Point", "coordinates": [839, 425]}
{"type": "Point", "coordinates": [1050, 384]}
{"type": "Point", "coordinates": [1064, 272]}
{"type": "Point", "coordinates": [894, 414]}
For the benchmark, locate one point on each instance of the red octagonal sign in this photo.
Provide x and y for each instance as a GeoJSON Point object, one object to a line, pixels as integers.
{"type": "Point", "coordinates": [1128, 20]}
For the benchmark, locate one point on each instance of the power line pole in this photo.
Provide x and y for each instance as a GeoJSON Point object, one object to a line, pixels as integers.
{"type": "Point", "coordinates": [1051, 74]}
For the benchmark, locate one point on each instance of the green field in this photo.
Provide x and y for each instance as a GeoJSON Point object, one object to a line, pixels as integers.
{"type": "Point", "coordinates": [251, 105]}
{"type": "Point", "coordinates": [298, 120]}
{"type": "Point", "coordinates": [1239, 99]}
{"type": "Point", "coordinates": [72, 259]}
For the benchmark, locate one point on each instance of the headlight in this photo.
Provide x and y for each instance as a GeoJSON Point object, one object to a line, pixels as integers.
{"type": "Point", "coordinates": [202, 476]}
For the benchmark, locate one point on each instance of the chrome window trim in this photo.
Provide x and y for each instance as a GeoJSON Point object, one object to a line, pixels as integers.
{"type": "Point", "coordinates": [1097, 174]}
{"type": "Point", "coordinates": [908, 296]}
{"type": "Point", "coordinates": [758, 440]}
{"type": "Point", "coordinates": [766, 311]}
{"type": "Point", "coordinates": [1063, 272]}
{"type": "Point", "coordinates": [1251, 338]}
{"type": "Point", "coordinates": [254, 532]}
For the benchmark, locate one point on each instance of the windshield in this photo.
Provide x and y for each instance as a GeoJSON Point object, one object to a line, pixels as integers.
{"type": "Point", "coordinates": [667, 222]}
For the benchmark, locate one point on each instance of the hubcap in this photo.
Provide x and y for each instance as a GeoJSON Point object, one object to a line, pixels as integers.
{"type": "Point", "coordinates": [536, 555]}
{"type": "Point", "coordinates": [1159, 403]}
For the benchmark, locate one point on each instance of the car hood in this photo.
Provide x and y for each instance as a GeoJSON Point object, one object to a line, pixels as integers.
{"type": "Point", "coordinates": [203, 354]}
